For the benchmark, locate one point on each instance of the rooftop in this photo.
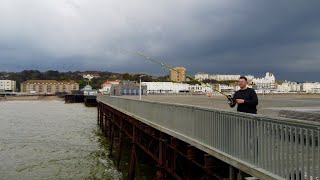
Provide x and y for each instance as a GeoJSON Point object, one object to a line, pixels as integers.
{"type": "Point", "coordinates": [47, 82]}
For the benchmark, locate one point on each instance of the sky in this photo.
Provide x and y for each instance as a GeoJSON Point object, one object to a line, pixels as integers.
{"type": "Point", "coordinates": [211, 36]}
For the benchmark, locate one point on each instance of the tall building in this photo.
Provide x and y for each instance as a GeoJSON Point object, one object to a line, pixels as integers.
{"type": "Point", "coordinates": [48, 86]}
{"type": "Point", "coordinates": [267, 82]}
{"type": "Point", "coordinates": [178, 74]}
{"type": "Point", "coordinates": [7, 85]}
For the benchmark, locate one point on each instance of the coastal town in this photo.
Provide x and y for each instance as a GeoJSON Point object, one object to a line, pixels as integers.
{"type": "Point", "coordinates": [163, 90]}
{"type": "Point", "coordinates": [177, 83]}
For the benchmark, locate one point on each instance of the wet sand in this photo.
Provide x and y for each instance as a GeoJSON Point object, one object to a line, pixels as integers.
{"type": "Point", "coordinates": [31, 98]}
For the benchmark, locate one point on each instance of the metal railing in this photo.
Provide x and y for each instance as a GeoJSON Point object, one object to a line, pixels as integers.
{"type": "Point", "coordinates": [278, 147]}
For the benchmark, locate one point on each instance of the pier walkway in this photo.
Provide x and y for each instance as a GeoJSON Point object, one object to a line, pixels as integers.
{"type": "Point", "coordinates": [263, 147]}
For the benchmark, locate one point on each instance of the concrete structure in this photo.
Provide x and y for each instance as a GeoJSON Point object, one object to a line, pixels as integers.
{"type": "Point", "coordinates": [288, 87]}
{"type": "Point", "coordinates": [313, 87]}
{"type": "Point", "coordinates": [48, 86]}
{"type": "Point", "coordinates": [127, 88]}
{"type": "Point", "coordinates": [263, 147]}
{"type": "Point", "coordinates": [178, 74]}
{"type": "Point", "coordinates": [8, 85]}
{"type": "Point", "coordinates": [165, 87]}
{"type": "Point", "coordinates": [106, 86]}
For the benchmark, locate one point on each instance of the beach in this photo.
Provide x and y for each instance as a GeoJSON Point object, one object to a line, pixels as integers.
{"type": "Point", "coordinates": [31, 98]}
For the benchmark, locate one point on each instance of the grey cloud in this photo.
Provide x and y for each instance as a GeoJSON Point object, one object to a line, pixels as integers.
{"type": "Point", "coordinates": [247, 37]}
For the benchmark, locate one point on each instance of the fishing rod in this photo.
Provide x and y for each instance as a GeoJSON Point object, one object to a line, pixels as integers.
{"type": "Point", "coordinates": [230, 99]}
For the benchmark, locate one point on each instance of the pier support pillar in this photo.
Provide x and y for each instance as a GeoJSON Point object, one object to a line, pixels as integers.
{"type": "Point", "coordinates": [98, 114]}
{"type": "Point", "coordinates": [105, 125]}
{"type": "Point", "coordinates": [240, 175]}
{"type": "Point", "coordinates": [160, 175]}
{"type": "Point", "coordinates": [111, 139]}
{"type": "Point", "coordinates": [100, 117]}
{"type": "Point", "coordinates": [131, 173]}
{"type": "Point", "coordinates": [231, 173]}
{"type": "Point", "coordinates": [120, 145]}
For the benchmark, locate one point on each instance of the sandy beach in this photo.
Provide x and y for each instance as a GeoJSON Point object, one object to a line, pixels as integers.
{"type": "Point", "coordinates": [30, 98]}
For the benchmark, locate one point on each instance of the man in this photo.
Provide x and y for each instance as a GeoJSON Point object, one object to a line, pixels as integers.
{"type": "Point", "coordinates": [246, 98]}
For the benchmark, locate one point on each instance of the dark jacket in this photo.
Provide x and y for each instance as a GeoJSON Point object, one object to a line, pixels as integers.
{"type": "Point", "coordinates": [250, 101]}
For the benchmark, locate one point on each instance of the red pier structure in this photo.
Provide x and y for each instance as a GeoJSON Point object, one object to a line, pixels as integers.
{"type": "Point", "coordinates": [174, 159]}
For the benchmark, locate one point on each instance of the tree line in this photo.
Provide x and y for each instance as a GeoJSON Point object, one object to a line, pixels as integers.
{"type": "Point", "coordinates": [77, 76]}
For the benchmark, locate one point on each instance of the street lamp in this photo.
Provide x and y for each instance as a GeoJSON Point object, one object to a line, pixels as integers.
{"type": "Point", "coordinates": [140, 86]}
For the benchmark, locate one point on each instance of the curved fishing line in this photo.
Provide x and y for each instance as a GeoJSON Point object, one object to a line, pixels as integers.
{"type": "Point", "coordinates": [171, 68]}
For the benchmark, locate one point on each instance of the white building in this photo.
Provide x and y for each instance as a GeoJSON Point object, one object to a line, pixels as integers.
{"type": "Point", "coordinates": [7, 85]}
{"type": "Point", "coordinates": [165, 87]}
{"type": "Point", "coordinates": [287, 87]}
{"type": "Point", "coordinates": [221, 77]}
{"type": "Point", "coordinates": [227, 88]}
{"type": "Point", "coordinates": [224, 77]}
{"type": "Point", "coordinates": [106, 86]}
{"type": "Point", "coordinates": [250, 77]}
{"type": "Point", "coordinates": [267, 82]}
{"type": "Point", "coordinates": [200, 88]}
{"type": "Point", "coordinates": [201, 76]}
{"type": "Point", "coordinates": [311, 87]}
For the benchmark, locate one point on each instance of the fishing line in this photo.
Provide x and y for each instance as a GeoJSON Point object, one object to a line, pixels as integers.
{"type": "Point", "coordinates": [230, 99]}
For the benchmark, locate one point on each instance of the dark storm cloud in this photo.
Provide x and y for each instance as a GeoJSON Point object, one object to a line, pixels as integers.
{"type": "Point", "coordinates": [246, 37]}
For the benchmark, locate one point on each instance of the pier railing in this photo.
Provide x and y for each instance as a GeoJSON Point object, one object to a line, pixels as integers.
{"type": "Point", "coordinates": [262, 146]}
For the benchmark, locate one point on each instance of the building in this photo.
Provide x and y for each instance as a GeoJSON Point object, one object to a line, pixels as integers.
{"type": "Point", "coordinates": [201, 88]}
{"type": "Point", "coordinates": [224, 77]}
{"type": "Point", "coordinates": [201, 76]}
{"type": "Point", "coordinates": [266, 83]}
{"type": "Point", "coordinates": [288, 87]}
{"type": "Point", "coordinates": [106, 86]}
{"type": "Point", "coordinates": [127, 88]}
{"type": "Point", "coordinates": [48, 86]}
{"type": "Point", "coordinates": [226, 88]}
{"type": "Point", "coordinates": [7, 85]}
{"type": "Point", "coordinates": [87, 76]}
{"type": "Point", "coordinates": [88, 91]}
{"type": "Point", "coordinates": [165, 87]}
{"type": "Point", "coordinates": [178, 74]}
{"type": "Point", "coordinates": [311, 87]}
{"type": "Point", "coordinates": [221, 77]}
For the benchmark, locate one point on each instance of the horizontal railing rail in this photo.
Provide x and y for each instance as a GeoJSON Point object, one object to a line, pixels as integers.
{"type": "Point", "coordinates": [268, 146]}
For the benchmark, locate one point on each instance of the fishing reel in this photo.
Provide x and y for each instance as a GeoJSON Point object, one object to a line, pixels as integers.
{"type": "Point", "coordinates": [231, 101]}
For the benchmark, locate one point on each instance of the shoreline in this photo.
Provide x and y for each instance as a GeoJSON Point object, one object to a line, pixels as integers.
{"type": "Point", "coordinates": [30, 98]}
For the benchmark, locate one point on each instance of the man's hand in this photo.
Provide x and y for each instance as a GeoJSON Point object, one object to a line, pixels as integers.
{"type": "Point", "coordinates": [240, 101]}
{"type": "Point", "coordinates": [231, 101]}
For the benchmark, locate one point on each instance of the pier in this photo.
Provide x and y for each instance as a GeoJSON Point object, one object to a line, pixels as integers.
{"type": "Point", "coordinates": [190, 142]}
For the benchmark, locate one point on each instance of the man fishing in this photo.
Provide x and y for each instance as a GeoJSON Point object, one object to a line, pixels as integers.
{"type": "Point", "coordinates": [246, 98]}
